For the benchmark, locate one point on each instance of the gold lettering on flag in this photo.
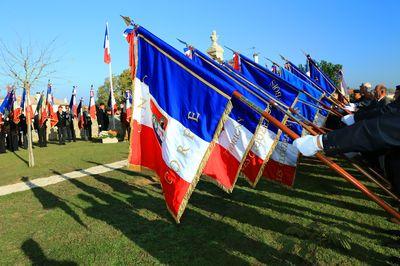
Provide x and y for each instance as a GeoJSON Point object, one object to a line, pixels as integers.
{"type": "Point", "coordinates": [188, 134]}
{"type": "Point", "coordinates": [193, 116]}
{"type": "Point", "coordinates": [182, 150]}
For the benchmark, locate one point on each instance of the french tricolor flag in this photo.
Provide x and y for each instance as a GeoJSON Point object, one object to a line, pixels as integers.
{"type": "Point", "coordinates": [178, 112]}
{"type": "Point", "coordinates": [49, 104]}
{"type": "Point", "coordinates": [80, 114]}
{"type": "Point", "coordinates": [106, 46]}
{"type": "Point", "coordinates": [128, 105]}
{"type": "Point", "coordinates": [72, 103]}
{"type": "Point", "coordinates": [227, 157]}
{"type": "Point", "coordinates": [92, 105]}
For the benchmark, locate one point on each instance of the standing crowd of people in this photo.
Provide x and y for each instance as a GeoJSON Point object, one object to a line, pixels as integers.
{"type": "Point", "coordinates": [14, 135]}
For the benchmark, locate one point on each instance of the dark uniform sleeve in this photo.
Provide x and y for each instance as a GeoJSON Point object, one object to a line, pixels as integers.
{"type": "Point", "coordinates": [393, 107]}
{"type": "Point", "coordinates": [377, 134]}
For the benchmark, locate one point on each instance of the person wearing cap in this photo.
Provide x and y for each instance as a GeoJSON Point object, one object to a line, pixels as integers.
{"type": "Point", "coordinates": [366, 95]}
{"type": "Point", "coordinates": [61, 125]}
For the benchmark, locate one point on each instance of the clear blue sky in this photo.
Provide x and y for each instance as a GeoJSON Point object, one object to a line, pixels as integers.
{"type": "Point", "coordinates": [364, 36]}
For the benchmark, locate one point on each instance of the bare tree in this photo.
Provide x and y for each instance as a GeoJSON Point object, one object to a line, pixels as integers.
{"type": "Point", "coordinates": [26, 64]}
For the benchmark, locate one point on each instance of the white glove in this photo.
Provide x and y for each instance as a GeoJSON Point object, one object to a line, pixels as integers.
{"type": "Point", "coordinates": [351, 107]}
{"type": "Point", "coordinates": [308, 145]}
{"type": "Point", "coordinates": [348, 119]}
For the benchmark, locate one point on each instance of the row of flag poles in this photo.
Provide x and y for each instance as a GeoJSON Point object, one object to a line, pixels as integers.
{"type": "Point", "coordinates": [45, 106]}
{"type": "Point", "coordinates": [195, 117]}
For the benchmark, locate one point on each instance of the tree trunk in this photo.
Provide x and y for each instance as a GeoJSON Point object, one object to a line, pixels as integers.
{"type": "Point", "coordinates": [29, 127]}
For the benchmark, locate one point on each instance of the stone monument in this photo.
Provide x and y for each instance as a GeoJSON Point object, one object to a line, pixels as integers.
{"type": "Point", "coordinates": [215, 50]}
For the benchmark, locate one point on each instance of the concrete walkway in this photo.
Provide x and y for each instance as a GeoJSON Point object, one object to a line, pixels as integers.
{"type": "Point", "coordinates": [54, 179]}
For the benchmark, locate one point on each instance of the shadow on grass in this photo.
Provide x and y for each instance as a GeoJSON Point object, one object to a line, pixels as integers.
{"type": "Point", "coordinates": [212, 240]}
{"type": "Point", "coordinates": [36, 255]}
{"type": "Point", "coordinates": [320, 182]}
{"type": "Point", "coordinates": [21, 158]}
{"type": "Point", "coordinates": [232, 209]}
{"type": "Point", "coordinates": [51, 201]}
{"type": "Point", "coordinates": [200, 240]}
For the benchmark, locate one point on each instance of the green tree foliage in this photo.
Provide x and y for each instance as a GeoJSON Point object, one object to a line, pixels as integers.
{"type": "Point", "coordinates": [121, 83]}
{"type": "Point", "coordinates": [330, 69]}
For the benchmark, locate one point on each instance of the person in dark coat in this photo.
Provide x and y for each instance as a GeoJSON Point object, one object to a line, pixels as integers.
{"type": "Point", "coordinates": [366, 96]}
{"type": "Point", "coordinates": [61, 125]}
{"type": "Point", "coordinates": [2, 135]}
{"type": "Point", "coordinates": [14, 133]}
{"type": "Point", "coordinates": [102, 118]}
{"type": "Point", "coordinates": [87, 124]}
{"type": "Point", "coordinates": [41, 130]}
{"type": "Point", "coordinates": [23, 130]}
{"type": "Point", "coordinates": [379, 135]}
{"type": "Point", "coordinates": [70, 129]}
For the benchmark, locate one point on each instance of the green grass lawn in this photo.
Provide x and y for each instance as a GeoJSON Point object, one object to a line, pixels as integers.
{"type": "Point", "coordinates": [120, 218]}
{"type": "Point", "coordinates": [54, 157]}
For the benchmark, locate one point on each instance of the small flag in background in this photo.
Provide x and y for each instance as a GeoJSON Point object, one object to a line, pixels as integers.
{"type": "Point", "coordinates": [236, 62]}
{"type": "Point", "coordinates": [26, 107]}
{"type": "Point", "coordinates": [72, 102]}
{"type": "Point", "coordinates": [41, 110]}
{"type": "Point", "coordinates": [49, 104]}
{"type": "Point", "coordinates": [92, 106]}
{"type": "Point", "coordinates": [15, 109]}
{"type": "Point", "coordinates": [80, 114]}
{"type": "Point", "coordinates": [128, 105]}
{"type": "Point", "coordinates": [112, 104]}
{"type": "Point", "coordinates": [106, 46]}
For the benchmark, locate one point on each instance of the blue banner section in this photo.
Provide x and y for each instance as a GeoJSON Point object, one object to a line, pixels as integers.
{"type": "Point", "coordinates": [306, 110]}
{"type": "Point", "coordinates": [241, 112]}
{"type": "Point", "coordinates": [264, 78]}
{"type": "Point", "coordinates": [6, 104]}
{"type": "Point", "coordinates": [249, 91]}
{"type": "Point", "coordinates": [282, 90]}
{"type": "Point", "coordinates": [179, 85]}
{"type": "Point", "coordinates": [320, 78]}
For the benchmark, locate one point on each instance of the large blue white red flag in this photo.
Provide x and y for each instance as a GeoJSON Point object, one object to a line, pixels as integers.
{"type": "Point", "coordinates": [319, 77]}
{"type": "Point", "coordinates": [106, 46]}
{"type": "Point", "coordinates": [49, 104]}
{"type": "Point", "coordinates": [72, 103]}
{"type": "Point", "coordinates": [281, 167]}
{"type": "Point", "coordinates": [266, 136]}
{"type": "Point", "coordinates": [178, 113]}
{"type": "Point", "coordinates": [239, 131]}
{"type": "Point", "coordinates": [92, 105]}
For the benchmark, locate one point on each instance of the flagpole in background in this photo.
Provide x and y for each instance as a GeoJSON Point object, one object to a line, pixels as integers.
{"type": "Point", "coordinates": [107, 60]}
{"type": "Point", "coordinates": [31, 159]}
{"type": "Point", "coordinates": [111, 92]}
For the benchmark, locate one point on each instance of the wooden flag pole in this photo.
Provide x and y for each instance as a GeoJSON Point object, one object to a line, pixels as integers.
{"type": "Point", "coordinates": [322, 158]}
{"type": "Point", "coordinates": [315, 130]}
{"type": "Point", "coordinates": [31, 159]}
